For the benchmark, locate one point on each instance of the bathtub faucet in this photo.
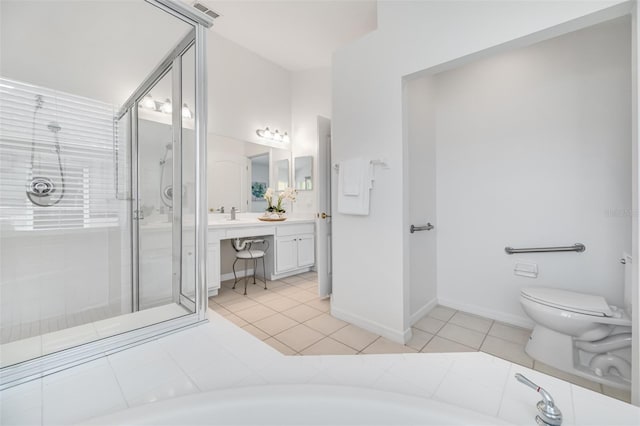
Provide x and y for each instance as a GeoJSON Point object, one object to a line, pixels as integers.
{"type": "Point", "coordinates": [548, 413]}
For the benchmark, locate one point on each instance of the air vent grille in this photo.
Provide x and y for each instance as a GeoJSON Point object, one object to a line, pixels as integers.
{"type": "Point", "coordinates": [202, 8]}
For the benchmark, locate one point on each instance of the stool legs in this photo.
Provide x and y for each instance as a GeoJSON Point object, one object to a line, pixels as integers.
{"type": "Point", "coordinates": [235, 277]}
{"type": "Point", "coordinates": [246, 275]}
{"type": "Point", "coordinates": [264, 272]}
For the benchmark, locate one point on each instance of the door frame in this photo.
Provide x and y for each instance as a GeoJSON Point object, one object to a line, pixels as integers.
{"type": "Point", "coordinates": [323, 224]}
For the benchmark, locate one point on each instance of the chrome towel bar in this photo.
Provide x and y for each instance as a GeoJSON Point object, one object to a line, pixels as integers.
{"type": "Point", "coordinates": [427, 227]}
{"type": "Point", "coordinates": [577, 247]}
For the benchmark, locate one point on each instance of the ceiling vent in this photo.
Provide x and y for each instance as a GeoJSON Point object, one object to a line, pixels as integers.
{"type": "Point", "coordinates": [202, 8]}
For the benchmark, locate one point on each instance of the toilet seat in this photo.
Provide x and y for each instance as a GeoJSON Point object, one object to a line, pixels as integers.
{"type": "Point", "coordinates": [581, 303]}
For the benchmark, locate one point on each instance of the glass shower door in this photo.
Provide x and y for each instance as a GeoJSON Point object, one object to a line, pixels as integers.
{"type": "Point", "coordinates": [153, 212]}
{"type": "Point", "coordinates": [164, 187]}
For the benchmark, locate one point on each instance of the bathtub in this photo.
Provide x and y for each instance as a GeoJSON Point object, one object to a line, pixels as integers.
{"type": "Point", "coordinates": [297, 405]}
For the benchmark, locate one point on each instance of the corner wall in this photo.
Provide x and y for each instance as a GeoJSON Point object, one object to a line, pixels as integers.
{"type": "Point", "coordinates": [370, 282]}
{"type": "Point", "coordinates": [534, 150]}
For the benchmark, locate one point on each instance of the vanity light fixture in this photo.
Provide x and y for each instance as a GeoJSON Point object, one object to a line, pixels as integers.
{"type": "Point", "coordinates": [186, 112]}
{"type": "Point", "coordinates": [148, 102]}
{"type": "Point", "coordinates": [273, 136]}
{"type": "Point", "coordinates": [166, 106]}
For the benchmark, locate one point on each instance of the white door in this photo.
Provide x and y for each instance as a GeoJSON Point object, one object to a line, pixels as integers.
{"type": "Point", "coordinates": [323, 222]}
{"type": "Point", "coordinates": [421, 161]}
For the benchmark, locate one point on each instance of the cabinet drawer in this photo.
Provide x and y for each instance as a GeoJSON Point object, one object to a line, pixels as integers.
{"type": "Point", "coordinates": [303, 228]}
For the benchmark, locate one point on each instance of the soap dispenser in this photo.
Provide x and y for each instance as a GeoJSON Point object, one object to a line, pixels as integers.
{"type": "Point", "coordinates": [233, 213]}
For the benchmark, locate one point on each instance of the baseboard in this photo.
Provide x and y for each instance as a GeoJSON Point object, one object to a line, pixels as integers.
{"type": "Point", "coordinates": [290, 273]}
{"type": "Point", "coordinates": [240, 274]}
{"type": "Point", "coordinates": [372, 326]}
{"type": "Point", "coordinates": [224, 277]}
{"type": "Point", "coordinates": [424, 310]}
{"type": "Point", "coordinates": [518, 321]}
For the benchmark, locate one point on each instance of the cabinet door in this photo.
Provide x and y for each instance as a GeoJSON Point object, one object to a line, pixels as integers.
{"type": "Point", "coordinates": [306, 250]}
{"type": "Point", "coordinates": [286, 253]}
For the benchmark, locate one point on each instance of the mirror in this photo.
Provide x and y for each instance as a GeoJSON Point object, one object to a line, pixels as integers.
{"type": "Point", "coordinates": [237, 170]}
{"type": "Point", "coordinates": [259, 172]}
{"type": "Point", "coordinates": [282, 174]}
{"type": "Point", "coordinates": [303, 172]}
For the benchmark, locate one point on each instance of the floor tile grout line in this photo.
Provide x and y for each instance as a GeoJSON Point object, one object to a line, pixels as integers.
{"type": "Point", "coordinates": [324, 335]}
{"type": "Point", "coordinates": [113, 371]}
{"type": "Point", "coordinates": [485, 337]}
{"type": "Point", "coordinates": [281, 342]}
{"type": "Point", "coordinates": [504, 388]}
{"type": "Point", "coordinates": [375, 340]}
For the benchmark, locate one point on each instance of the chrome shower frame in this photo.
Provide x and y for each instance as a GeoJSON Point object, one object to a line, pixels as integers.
{"type": "Point", "coordinates": [19, 373]}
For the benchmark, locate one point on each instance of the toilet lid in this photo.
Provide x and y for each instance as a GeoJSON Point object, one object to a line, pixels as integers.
{"type": "Point", "coordinates": [581, 303]}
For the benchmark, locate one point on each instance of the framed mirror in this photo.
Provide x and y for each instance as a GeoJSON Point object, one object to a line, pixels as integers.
{"type": "Point", "coordinates": [259, 172]}
{"type": "Point", "coordinates": [233, 168]}
{"type": "Point", "coordinates": [303, 173]}
{"type": "Point", "coordinates": [282, 174]}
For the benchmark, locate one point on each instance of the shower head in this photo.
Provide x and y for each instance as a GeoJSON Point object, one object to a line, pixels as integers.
{"type": "Point", "coordinates": [54, 127]}
{"type": "Point", "coordinates": [169, 146]}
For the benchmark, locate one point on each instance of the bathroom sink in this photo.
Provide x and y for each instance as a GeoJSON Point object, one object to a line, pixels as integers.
{"type": "Point", "coordinates": [225, 219]}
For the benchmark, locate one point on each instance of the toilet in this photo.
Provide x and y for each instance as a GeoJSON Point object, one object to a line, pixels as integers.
{"type": "Point", "coordinates": [580, 333]}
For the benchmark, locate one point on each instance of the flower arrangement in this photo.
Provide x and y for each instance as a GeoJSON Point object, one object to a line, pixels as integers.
{"type": "Point", "coordinates": [287, 194]}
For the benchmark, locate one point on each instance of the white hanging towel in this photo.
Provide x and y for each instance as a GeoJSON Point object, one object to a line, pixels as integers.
{"type": "Point", "coordinates": [354, 183]}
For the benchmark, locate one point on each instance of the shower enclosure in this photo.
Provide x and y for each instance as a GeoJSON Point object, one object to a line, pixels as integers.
{"type": "Point", "coordinates": [102, 199]}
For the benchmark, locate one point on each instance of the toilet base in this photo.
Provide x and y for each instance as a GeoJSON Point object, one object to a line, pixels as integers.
{"type": "Point", "coordinates": [558, 350]}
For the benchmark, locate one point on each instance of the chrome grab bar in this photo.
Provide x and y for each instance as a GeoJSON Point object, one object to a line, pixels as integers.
{"type": "Point", "coordinates": [577, 247]}
{"type": "Point", "coordinates": [427, 227]}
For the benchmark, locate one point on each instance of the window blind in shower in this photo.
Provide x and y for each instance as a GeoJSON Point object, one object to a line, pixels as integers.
{"type": "Point", "coordinates": [61, 147]}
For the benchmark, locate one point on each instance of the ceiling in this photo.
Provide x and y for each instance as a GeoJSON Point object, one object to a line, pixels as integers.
{"type": "Point", "coordinates": [100, 49]}
{"type": "Point", "coordinates": [295, 34]}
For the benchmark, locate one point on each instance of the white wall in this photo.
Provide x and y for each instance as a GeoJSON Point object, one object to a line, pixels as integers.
{"type": "Point", "coordinates": [246, 92]}
{"type": "Point", "coordinates": [534, 150]}
{"type": "Point", "coordinates": [367, 121]}
{"type": "Point", "coordinates": [311, 97]}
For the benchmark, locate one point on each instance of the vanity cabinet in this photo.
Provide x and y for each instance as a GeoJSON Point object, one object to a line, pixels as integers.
{"type": "Point", "coordinates": [295, 248]}
{"type": "Point", "coordinates": [291, 246]}
{"type": "Point", "coordinates": [213, 263]}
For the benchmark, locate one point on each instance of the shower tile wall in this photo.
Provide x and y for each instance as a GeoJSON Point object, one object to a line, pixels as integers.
{"type": "Point", "coordinates": [67, 269]}
{"type": "Point", "coordinates": [54, 282]}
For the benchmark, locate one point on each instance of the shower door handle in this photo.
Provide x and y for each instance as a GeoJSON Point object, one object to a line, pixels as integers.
{"type": "Point", "coordinates": [138, 215]}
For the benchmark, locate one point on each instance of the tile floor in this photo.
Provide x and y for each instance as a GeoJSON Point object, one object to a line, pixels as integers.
{"type": "Point", "coordinates": [219, 356]}
{"type": "Point", "coordinates": [290, 317]}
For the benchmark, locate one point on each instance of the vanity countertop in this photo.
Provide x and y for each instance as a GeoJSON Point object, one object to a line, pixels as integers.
{"type": "Point", "coordinates": [221, 221]}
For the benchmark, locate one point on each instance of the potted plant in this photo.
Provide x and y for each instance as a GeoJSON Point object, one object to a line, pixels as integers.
{"type": "Point", "coordinates": [277, 210]}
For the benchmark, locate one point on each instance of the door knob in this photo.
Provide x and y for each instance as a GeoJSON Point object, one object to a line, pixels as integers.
{"type": "Point", "coordinates": [323, 215]}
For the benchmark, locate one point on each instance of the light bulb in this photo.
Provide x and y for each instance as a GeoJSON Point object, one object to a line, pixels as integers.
{"type": "Point", "coordinates": [268, 134]}
{"type": "Point", "coordinates": [285, 138]}
{"type": "Point", "coordinates": [166, 107]}
{"type": "Point", "coordinates": [186, 112]}
{"type": "Point", "coordinates": [148, 102]}
{"type": "Point", "coordinates": [277, 136]}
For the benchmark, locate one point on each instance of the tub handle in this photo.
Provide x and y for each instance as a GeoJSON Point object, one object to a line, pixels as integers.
{"type": "Point", "coordinates": [548, 413]}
